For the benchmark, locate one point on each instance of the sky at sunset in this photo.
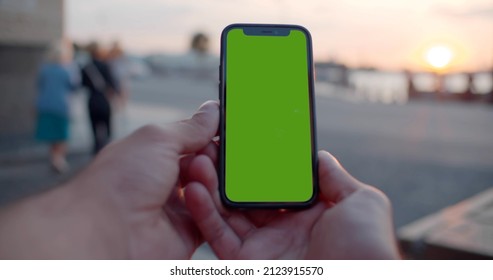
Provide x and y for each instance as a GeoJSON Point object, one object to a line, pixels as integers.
{"type": "Point", "coordinates": [390, 34]}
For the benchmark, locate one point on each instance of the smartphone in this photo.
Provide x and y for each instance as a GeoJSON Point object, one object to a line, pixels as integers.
{"type": "Point", "coordinates": [267, 155]}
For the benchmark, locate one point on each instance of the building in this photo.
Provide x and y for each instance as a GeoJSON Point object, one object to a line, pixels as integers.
{"type": "Point", "coordinates": [27, 27]}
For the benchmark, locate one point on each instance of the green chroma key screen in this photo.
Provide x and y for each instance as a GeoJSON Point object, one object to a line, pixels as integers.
{"type": "Point", "coordinates": [268, 153]}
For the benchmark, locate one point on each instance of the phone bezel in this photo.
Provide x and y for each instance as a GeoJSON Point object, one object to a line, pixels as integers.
{"type": "Point", "coordinates": [222, 124]}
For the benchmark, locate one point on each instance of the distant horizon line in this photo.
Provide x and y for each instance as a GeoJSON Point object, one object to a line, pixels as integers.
{"type": "Point", "coordinates": [336, 62]}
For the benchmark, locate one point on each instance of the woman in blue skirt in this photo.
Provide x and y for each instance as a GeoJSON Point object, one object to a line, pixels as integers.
{"type": "Point", "coordinates": [54, 85]}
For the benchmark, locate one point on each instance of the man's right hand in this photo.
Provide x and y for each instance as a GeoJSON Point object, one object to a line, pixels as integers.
{"type": "Point", "coordinates": [351, 221]}
{"type": "Point", "coordinates": [357, 223]}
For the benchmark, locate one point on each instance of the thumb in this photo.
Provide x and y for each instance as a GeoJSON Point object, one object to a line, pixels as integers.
{"type": "Point", "coordinates": [191, 135]}
{"type": "Point", "coordinates": [334, 181]}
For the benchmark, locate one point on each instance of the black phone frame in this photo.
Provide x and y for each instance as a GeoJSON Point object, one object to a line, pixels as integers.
{"type": "Point", "coordinates": [222, 123]}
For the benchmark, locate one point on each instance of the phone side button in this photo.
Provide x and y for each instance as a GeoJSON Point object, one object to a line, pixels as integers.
{"type": "Point", "coordinates": [220, 73]}
{"type": "Point", "coordinates": [219, 91]}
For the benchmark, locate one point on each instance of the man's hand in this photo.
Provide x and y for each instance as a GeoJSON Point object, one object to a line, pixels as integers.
{"type": "Point", "coordinates": [127, 204]}
{"type": "Point", "coordinates": [351, 220]}
{"type": "Point", "coordinates": [357, 222]}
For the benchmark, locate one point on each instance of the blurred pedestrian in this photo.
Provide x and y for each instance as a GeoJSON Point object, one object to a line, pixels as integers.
{"type": "Point", "coordinates": [468, 94]}
{"type": "Point", "coordinates": [119, 67]}
{"type": "Point", "coordinates": [199, 48]}
{"type": "Point", "coordinates": [411, 89]}
{"type": "Point", "coordinates": [490, 95]}
{"type": "Point", "coordinates": [54, 85]}
{"type": "Point", "coordinates": [100, 83]}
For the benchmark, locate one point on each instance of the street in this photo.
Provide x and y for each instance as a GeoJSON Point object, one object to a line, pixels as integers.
{"type": "Point", "coordinates": [423, 155]}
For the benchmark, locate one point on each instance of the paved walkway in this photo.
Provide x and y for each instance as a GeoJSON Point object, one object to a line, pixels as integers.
{"type": "Point", "coordinates": [461, 231]}
{"type": "Point", "coordinates": [31, 161]}
{"type": "Point", "coordinates": [424, 155]}
{"type": "Point", "coordinates": [26, 171]}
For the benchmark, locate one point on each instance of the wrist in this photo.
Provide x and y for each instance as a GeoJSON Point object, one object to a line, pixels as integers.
{"type": "Point", "coordinates": [97, 221]}
{"type": "Point", "coordinates": [58, 224]}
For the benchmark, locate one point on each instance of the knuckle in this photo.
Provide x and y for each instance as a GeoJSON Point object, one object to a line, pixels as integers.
{"type": "Point", "coordinates": [199, 123]}
{"type": "Point", "coordinates": [199, 119]}
{"type": "Point", "coordinates": [152, 131]}
{"type": "Point", "coordinates": [375, 196]}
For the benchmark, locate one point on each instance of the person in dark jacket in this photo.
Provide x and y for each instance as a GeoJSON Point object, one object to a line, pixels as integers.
{"type": "Point", "coordinates": [101, 85]}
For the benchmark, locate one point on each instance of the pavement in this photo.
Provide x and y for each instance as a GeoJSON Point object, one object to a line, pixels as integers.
{"type": "Point", "coordinates": [424, 155]}
{"type": "Point", "coordinates": [26, 171]}
{"type": "Point", "coordinates": [461, 231]}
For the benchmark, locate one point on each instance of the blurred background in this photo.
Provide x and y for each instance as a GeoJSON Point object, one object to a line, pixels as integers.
{"type": "Point", "coordinates": [404, 95]}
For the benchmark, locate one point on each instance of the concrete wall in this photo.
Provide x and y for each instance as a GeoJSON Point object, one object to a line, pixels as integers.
{"type": "Point", "coordinates": [30, 21]}
{"type": "Point", "coordinates": [27, 27]}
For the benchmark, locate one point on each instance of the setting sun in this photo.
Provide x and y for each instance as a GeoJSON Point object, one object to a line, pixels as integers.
{"type": "Point", "coordinates": [439, 56]}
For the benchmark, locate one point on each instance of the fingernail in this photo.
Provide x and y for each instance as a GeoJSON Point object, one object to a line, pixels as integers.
{"type": "Point", "coordinates": [208, 106]}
